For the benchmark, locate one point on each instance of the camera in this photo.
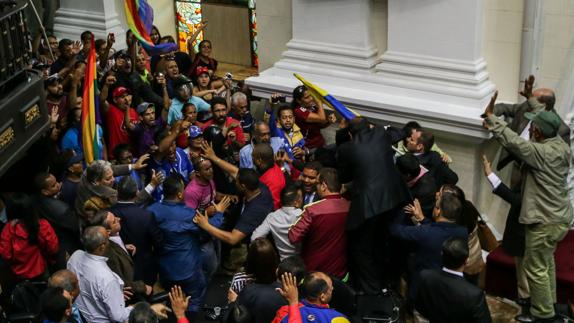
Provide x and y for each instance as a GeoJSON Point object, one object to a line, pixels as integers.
{"type": "Point", "coordinates": [228, 76]}
{"type": "Point", "coordinates": [278, 99]}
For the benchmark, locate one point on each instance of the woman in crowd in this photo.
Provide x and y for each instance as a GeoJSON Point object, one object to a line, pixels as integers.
{"type": "Point", "coordinates": [204, 88]}
{"type": "Point", "coordinates": [155, 35]}
{"type": "Point", "coordinates": [309, 116]}
{"type": "Point", "coordinates": [203, 59]}
{"type": "Point", "coordinates": [260, 267]}
{"type": "Point", "coordinates": [28, 244]}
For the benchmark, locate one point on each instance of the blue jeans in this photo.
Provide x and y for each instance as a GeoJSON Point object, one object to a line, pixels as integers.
{"type": "Point", "coordinates": [194, 287]}
{"type": "Point", "coordinates": [209, 258]}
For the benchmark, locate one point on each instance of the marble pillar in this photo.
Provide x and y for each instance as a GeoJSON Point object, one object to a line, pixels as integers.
{"type": "Point", "coordinates": [99, 16]}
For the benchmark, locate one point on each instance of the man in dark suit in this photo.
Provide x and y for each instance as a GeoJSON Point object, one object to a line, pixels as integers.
{"type": "Point", "coordinates": [537, 100]}
{"type": "Point", "coordinates": [420, 144]}
{"type": "Point", "coordinates": [138, 228]}
{"type": "Point", "coordinates": [378, 193]}
{"type": "Point", "coordinates": [420, 182]}
{"type": "Point", "coordinates": [427, 237]}
{"type": "Point", "coordinates": [445, 296]}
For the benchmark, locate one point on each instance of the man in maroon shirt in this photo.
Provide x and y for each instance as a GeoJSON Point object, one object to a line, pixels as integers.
{"type": "Point", "coordinates": [321, 228]}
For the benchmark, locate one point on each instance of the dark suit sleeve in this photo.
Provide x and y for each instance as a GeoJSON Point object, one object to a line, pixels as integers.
{"type": "Point", "coordinates": [480, 312]}
{"type": "Point", "coordinates": [564, 133]}
{"type": "Point", "coordinates": [505, 193]}
{"type": "Point", "coordinates": [345, 170]}
{"type": "Point", "coordinates": [395, 134]}
{"type": "Point", "coordinates": [120, 170]}
{"type": "Point", "coordinates": [154, 233]}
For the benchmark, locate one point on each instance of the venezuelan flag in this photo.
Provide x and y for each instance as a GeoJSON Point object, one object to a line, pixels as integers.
{"type": "Point", "coordinates": [90, 111]}
{"type": "Point", "coordinates": [328, 99]}
{"type": "Point", "coordinates": [139, 17]}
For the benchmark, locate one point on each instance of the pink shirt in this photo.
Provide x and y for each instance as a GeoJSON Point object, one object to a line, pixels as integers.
{"type": "Point", "coordinates": [198, 195]}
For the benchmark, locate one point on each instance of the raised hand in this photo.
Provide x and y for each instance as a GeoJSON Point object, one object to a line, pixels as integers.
{"type": "Point", "coordinates": [415, 209]}
{"type": "Point", "coordinates": [528, 85]}
{"type": "Point", "coordinates": [223, 204]}
{"type": "Point", "coordinates": [201, 220]}
{"type": "Point", "coordinates": [208, 151]}
{"type": "Point", "coordinates": [486, 166]}
{"type": "Point", "coordinates": [289, 288]}
{"type": "Point", "coordinates": [141, 162]}
{"type": "Point", "coordinates": [54, 116]}
{"type": "Point", "coordinates": [490, 107]}
{"type": "Point", "coordinates": [178, 301]}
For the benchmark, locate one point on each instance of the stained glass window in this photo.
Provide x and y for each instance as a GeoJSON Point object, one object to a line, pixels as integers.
{"type": "Point", "coordinates": [189, 16]}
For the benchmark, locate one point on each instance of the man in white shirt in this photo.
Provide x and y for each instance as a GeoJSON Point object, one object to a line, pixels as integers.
{"type": "Point", "coordinates": [278, 223]}
{"type": "Point", "coordinates": [101, 298]}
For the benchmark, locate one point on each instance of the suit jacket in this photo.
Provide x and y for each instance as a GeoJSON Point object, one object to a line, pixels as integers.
{"type": "Point", "coordinates": [519, 122]}
{"type": "Point", "coordinates": [513, 238]}
{"type": "Point", "coordinates": [87, 190]}
{"type": "Point", "coordinates": [140, 229]}
{"type": "Point", "coordinates": [63, 220]}
{"type": "Point", "coordinates": [444, 297]}
{"type": "Point", "coordinates": [425, 191]}
{"type": "Point", "coordinates": [437, 168]}
{"type": "Point", "coordinates": [368, 161]}
{"type": "Point", "coordinates": [121, 263]}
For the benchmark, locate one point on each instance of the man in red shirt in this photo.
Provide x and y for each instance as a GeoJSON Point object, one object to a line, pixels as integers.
{"type": "Point", "coordinates": [115, 116]}
{"type": "Point", "coordinates": [270, 174]}
{"type": "Point", "coordinates": [230, 127]}
{"type": "Point", "coordinates": [321, 228]}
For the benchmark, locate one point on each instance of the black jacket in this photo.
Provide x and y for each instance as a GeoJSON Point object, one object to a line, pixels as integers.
{"type": "Point", "coordinates": [425, 191]}
{"type": "Point", "coordinates": [140, 229]}
{"type": "Point", "coordinates": [63, 220]}
{"type": "Point", "coordinates": [368, 162]}
{"type": "Point", "coordinates": [513, 238]}
{"type": "Point", "coordinates": [444, 297]}
{"type": "Point", "coordinates": [439, 170]}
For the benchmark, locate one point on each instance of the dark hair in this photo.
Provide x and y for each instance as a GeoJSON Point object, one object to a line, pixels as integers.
{"type": "Point", "coordinates": [142, 313]}
{"type": "Point", "coordinates": [85, 34]}
{"type": "Point", "coordinates": [127, 188]}
{"type": "Point", "coordinates": [408, 129]}
{"type": "Point", "coordinates": [187, 105]}
{"type": "Point", "coordinates": [158, 33]}
{"type": "Point", "coordinates": [262, 261]}
{"type": "Point", "coordinates": [314, 165]}
{"type": "Point", "coordinates": [357, 125]}
{"type": "Point", "coordinates": [264, 152]}
{"type": "Point", "coordinates": [427, 140]}
{"type": "Point", "coordinates": [172, 186]}
{"type": "Point", "coordinates": [40, 181]}
{"type": "Point", "coordinates": [284, 107]}
{"type": "Point", "coordinates": [330, 177]}
{"type": "Point", "coordinates": [289, 194]}
{"type": "Point", "coordinates": [20, 207]}
{"type": "Point", "coordinates": [97, 218]}
{"type": "Point", "coordinates": [408, 165]}
{"type": "Point", "coordinates": [53, 304]}
{"type": "Point", "coordinates": [294, 265]}
{"type": "Point", "coordinates": [218, 100]}
{"type": "Point", "coordinates": [205, 41]}
{"type": "Point", "coordinates": [314, 285]}
{"type": "Point", "coordinates": [247, 177]}
{"type": "Point", "coordinates": [119, 148]}
{"type": "Point", "coordinates": [239, 314]}
{"type": "Point", "coordinates": [63, 43]}
{"type": "Point", "coordinates": [450, 206]}
{"type": "Point", "coordinates": [99, 43]}
{"type": "Point", "coordinates": [166, 39]}
{"type": "Point", "coordinates": [454, 252]}
{"type": "Point", "coordinates": [298, 95]}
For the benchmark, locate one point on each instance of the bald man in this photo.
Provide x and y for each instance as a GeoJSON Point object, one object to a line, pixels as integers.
{"type": "Point", "coordinates": [536, 101]}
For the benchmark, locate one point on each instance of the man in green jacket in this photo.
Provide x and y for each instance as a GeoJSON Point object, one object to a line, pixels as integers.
{"type": "Point", "coordinates": [546, 210]}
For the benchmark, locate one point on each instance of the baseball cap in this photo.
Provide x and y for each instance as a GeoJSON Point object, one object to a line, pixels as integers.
{"type": "Point", "coordinates": [77, 158]}
{"type": "Point", "coordinates": [52, 79]}
{"type": "Point", "coordinates": [120, 90]}
{"type": "Point", "coordinates": [194, 132]}
{"type": "Point", "coordinates": [142, 107]}
{"type": "Point", "coordinates": [547, 121]}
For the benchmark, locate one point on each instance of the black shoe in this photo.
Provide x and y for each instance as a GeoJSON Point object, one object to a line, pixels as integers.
{"type": "Point", "coordinates": [525, 318]}
{"type": "Point", "coordinates": [555, 319]}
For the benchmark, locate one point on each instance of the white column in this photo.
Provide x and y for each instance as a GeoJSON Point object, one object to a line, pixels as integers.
{"type": "Point", "coordinates": [436, 46]}
{"type": "Point", "coordinates": [99, 16]}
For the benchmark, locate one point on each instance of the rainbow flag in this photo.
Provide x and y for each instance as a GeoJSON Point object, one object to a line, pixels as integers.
{"type": "Point", "coordinates": [91, 136]}
{"type": "Point", "coordinates": [139, 17]}
{"type": "Point", "coordinates": [328, 99]}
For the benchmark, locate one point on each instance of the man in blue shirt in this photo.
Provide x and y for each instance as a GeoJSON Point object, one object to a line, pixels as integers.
{"type": "Point", "coordinates": [261, 134]}
{"type": "Point", "coordinates": [183, 89]}
{"type": "Point", "coordinates": [180, 255]}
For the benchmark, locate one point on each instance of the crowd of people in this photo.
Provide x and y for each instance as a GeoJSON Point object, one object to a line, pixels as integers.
{"type": "Point", "coordinates": [191, 184]}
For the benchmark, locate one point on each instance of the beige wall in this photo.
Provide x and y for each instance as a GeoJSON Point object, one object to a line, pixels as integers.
{"type": "Point", "coordinates": [502, 41]}
{"type": "Point", "coordinates": [164, 16]}
{"type": "Point", "coordinates": [274, 30]}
